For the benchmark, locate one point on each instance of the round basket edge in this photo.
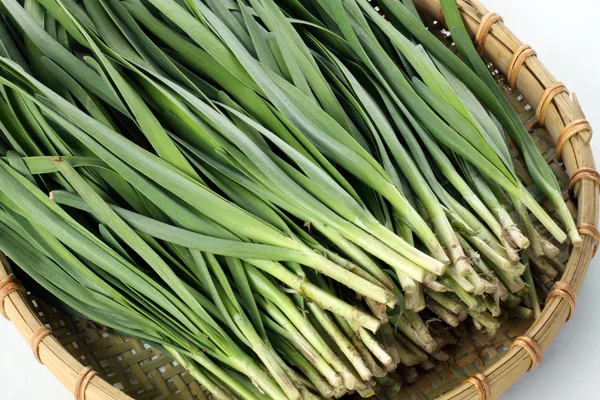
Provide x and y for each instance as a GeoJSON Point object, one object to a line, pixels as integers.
{"type": "Point", "coordinates": [499, 48]}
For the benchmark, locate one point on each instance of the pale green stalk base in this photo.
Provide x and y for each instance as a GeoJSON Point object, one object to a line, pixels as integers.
{"type": "Point", "coordinates": [207, 383]}
{"type": "Point", "coordinates": [407, 357]}
{"type": "Point", "coordinates": [550, 250]}
{"type": "Point", "coordinates": [379, 310]}
{"type": "Point", "coordinates": [310, 347]}
{"type": "Point", "coordinates": [373, 345]}
{"type": "Point", "coordinates": [418, 355]}
{"type": "Point", "coordinates": [565, 215]}
{"type": "Point", "coordinates": [422, 230]}
{"type": "Point", "coordinates": [514, 285]}
{"type": "Point", "coordinates": [233, 383]}
{"type": "Point", "coordinates": [480, 238]}
{"type": "Point", "coordinates": [319, 296]}
{"type": "Point", "coordinates": [532, 233]}
{"type": "Point", "coordinates": [306, 367]}
{"type": "Point", "coordinates": [329, 268]}
{"type": "Point", "coordinates": [498, 260]}
{"type": "Point", "coordinates": [258, 376]}
{"type": "Point", "coordinates": [301, 382]}
{"type": "Point", "coordinates": [547, 221]}
{"type": "Point", "coordinates": [462, 294]}
{"type": "Point", "coordinates": [480, 284]}
{"type": "Point", "coordinates": [485, 320]}
{"type": "Point", "coordinates": [354, 252]}
{"type": "Point", "coordinates": [341, 340]}
{"type": "Point", "coordinates": [435, 286]}
{"type": "Point", "coordinates": [287, 330]}
{"type": "Point", "coordinates": [308, 395]}
{"type": "Point", "coordinates": [415, 301]}
{"type": "Point", "coordinates": [513, 301]}
{"type": "Point", "coordinates": [349, 266]}
{"type": "Point", "coordinates": [492, 306]}
{"type": "Point", "coordinates": [407, 283]}
{"type": "Point", "coordinates": [460, 281]}
{"type": "Point", "coordinates": [511, 229]}
{"type": "Point", "coordinates": [445, 301]}
{"type": "Point", "coordinates": [412, 326]}
{"type": "Point", "coordinates": [444, 314]}
{"type": "Point", "coordinates": [390, 256]}
{"type": "Point", "coordinates": [386, 334]}
{"type": "Point", "coordinates": [481, 307]}
{"type": "Point", "coordinates": [303, 325]}
{"type": "Point", "coordinates": [481, 267]}
{"type": "Point", "coordinates": [499, 232]}
{"type": "Point", "coordinates": [435, 264]}
{"type": "Point", "coordinates": [493, 204]}
{"type": "Point", "coordinates": [449, 239]}
{"type": "Point", "coordinates": [260, 348]}
{"type": "Point", "coordinates": [365, 354]}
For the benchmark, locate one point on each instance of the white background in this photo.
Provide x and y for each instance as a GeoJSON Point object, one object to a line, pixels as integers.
{"type": "Point", "coordinates": [565, 35]}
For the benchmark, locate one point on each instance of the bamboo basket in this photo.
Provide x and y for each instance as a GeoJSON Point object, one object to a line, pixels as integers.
{"type": "Point", "coordinates": [95, 365]}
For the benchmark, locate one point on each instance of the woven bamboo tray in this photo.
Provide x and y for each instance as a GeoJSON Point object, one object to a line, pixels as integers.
{"type": "Point", "coordinates": [96, 365]}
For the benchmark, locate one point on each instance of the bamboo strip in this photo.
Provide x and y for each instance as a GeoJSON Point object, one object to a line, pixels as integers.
{"type": "Point", "coordinates": [532, 80]}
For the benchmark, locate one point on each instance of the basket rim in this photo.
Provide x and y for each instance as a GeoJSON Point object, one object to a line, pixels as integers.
{"type": "Point", "coordinates": [499, 46]}
{"type": "Point", "coordinates": [520, 63]}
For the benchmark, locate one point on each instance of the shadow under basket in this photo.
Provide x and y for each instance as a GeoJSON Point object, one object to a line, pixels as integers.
{"type": "Point", "coordinates": [98, 366]}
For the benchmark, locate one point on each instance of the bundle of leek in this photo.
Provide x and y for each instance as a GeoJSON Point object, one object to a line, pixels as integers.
{"type": "Point", "coordinates": [277, 193]}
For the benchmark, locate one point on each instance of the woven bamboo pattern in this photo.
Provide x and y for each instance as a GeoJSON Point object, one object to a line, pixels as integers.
{"type": "Point", "coordinates": [480, 367]}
